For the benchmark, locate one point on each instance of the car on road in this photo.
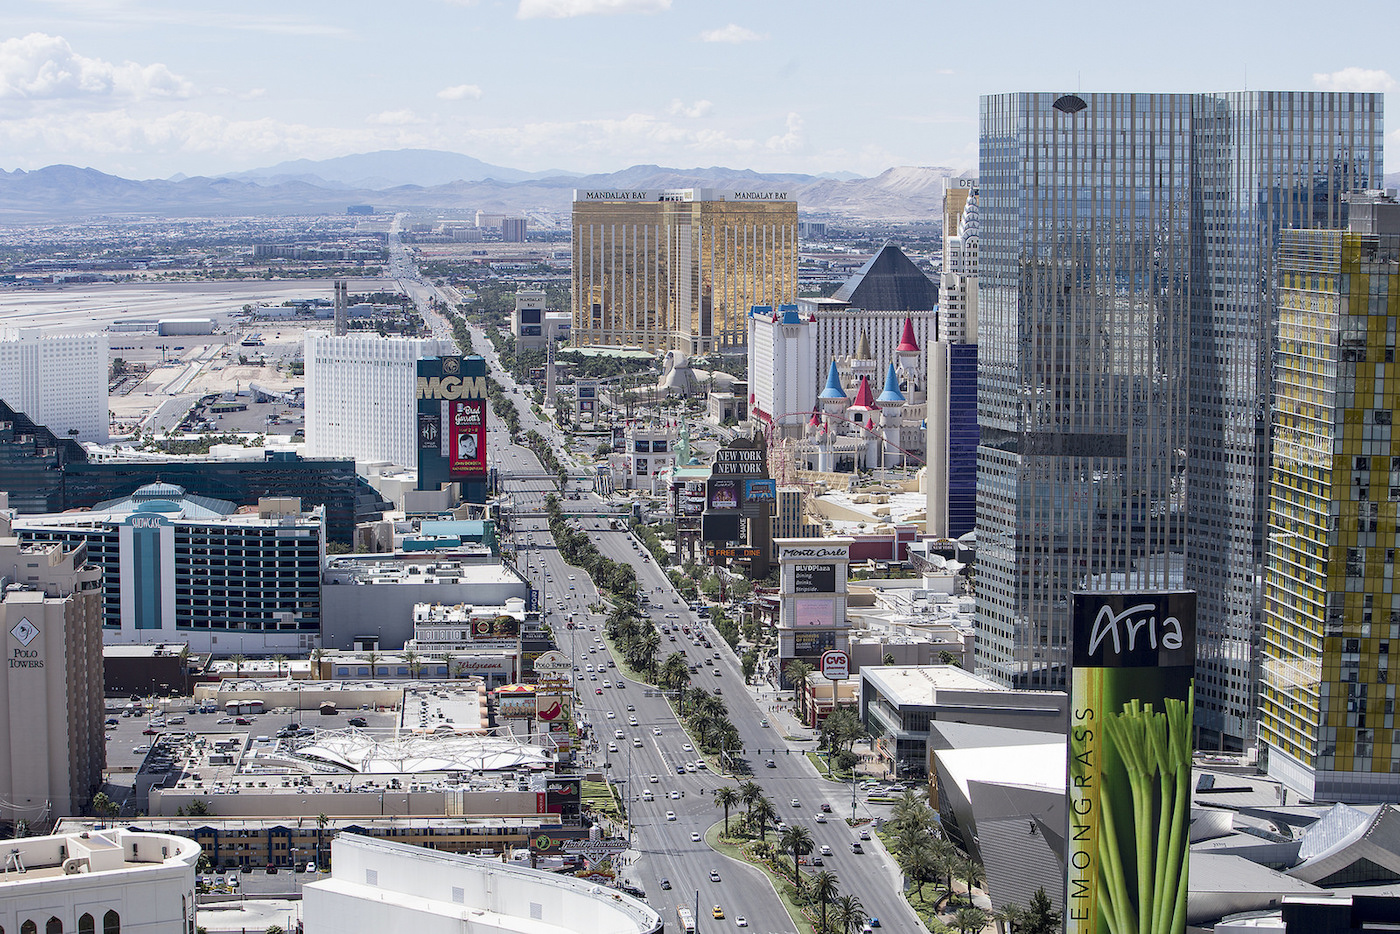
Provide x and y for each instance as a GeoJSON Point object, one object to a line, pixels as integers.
{"type": "Point", "coordinates": [686, 747]}
{"type": "Point", "coordinates": [763, 723]}
{"type": "Point", "coordinates": [796, 803]}
{"type": "Point", "coordinates": [636, 742]}
{"type": "Point", "coordinates": [597, 690]}
{"type": "Point", "coordinates": [617, 734]}
{"type": "Point", "coordinates": [656, 731]}
{"type": "Point", "coordinates": [826, 808]}
{"type": "Point", "coordinates": [714, 875]}
{"type": "Point", "coordinates": [242, 721]}
{"type": "Point", "coordinates": [826, 850]}
{"type": "Point", "coordinates": [716, 672]}
{"type": "Point", "coordinates": [224, 720]}
{"type": "Point", "coordinates": [675, 795]}
{"type": "Point", "coordinates": [670, 815]}
{"type": "Point", "coordinates": [358, 721]}
{"type": "Point", "coordinates": [865, 835]}
{"type": "Point", "coordinates": [655, 778]}
{"type": "Point", "coordinates": [717, 912]}
{"type": "Point", "coordinates": [141, 750]}
{"type": "Point", "coordinates": [856, 847]}
{"type": "Point", "coordinates": [770, 764]}
{"type": "Point", "coordinates": [611, 715]}
{"type": "Point", "coordinates": [874, 922]}
{"type": "Point", "coordinates": [741, 922]}
{"type": "Point", "coordinates": [666, 884]}
{"type": "Point", "coordinates": [694, 837]}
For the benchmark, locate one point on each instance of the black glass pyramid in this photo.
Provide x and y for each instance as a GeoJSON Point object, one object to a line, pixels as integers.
{"type": "Point", "coordinates": [890, 282]}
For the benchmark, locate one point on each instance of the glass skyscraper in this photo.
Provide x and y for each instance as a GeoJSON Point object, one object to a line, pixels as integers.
{"type": "Point", "coordinates": [1125, 335]}
{"type": "Point", "coordinates": [1331, 615]}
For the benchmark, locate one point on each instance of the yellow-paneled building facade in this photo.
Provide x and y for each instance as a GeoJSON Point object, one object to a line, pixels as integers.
{"type": "Point", "coordinates": [1328, 725]}
{"type": "Point", "coordinates": [679, 269]}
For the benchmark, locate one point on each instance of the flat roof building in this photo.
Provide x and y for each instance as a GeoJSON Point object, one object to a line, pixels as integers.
{"type": "Point", "coordinates": [194, 569]}
{"type": "Point", "coordinates": [111, 880]}
{"type": "Point", "coordinates": [378, 885]}
{"type": "Point", "coordinates": [52, 744]}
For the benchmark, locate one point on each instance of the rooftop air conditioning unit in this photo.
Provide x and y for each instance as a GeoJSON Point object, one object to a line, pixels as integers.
{"type": "Point", "coordinates": [76, 864]}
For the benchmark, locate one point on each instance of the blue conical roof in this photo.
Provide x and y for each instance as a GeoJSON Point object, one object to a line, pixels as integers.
{"type": "Point", "coordinates": [891, 392]}
{"type": "Point", "coordinates": [833, 388]}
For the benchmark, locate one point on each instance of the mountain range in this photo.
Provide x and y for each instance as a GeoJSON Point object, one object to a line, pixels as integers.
{"type": "Point", "coordinates": [431, 180]}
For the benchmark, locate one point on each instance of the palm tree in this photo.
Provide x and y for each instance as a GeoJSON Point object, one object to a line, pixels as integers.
{"type": "Point", "coordinates": [415, 665]}
{"type": "Point", "coordinates": [825, 885]}
{"type": "Point", "coordinates": [316, 655]}
{"type": "Point", "coordinates": [726, 797]}
{"type": "Point", "coordinates": [798, 842]}
{"type": "Point", "coordinates": [372, 657]}
{"type": "Point", "coordinates": [238, 661]}
{"type": "Point", "coordinates": [969, 920]}
{"type": "Point", "coordinates": [1013, 916]}
{"type": "Point", "coordinates": [849, 914]}
{"type": "Point", "coordinates": [279, 660]}
{"type": "Point", "coordinates": [321, 822]}
{"type": "Point", "coordinates": [971, 872]}
{"type": "Point", "coordinates": [945, 859]}
{"type": "Point", "coordinates": [749, 793]}
{"type": "Point", "coordinates": [796, 672]}
{"type": "Point", "coordinates": [920, 866]}
{"type": "Point", "coordinates": [764, 813]}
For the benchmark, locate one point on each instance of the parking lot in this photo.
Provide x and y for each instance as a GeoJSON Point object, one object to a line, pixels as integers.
{"type": "Point", "coordinates": [132, 770]}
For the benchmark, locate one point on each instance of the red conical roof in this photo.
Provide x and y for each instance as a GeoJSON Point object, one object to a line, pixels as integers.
{"type": "Point", "coordinates": [907, 343]}
{"type": "Point", "coordinates": [865, 399]}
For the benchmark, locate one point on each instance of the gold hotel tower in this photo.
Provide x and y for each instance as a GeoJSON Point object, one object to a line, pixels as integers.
{"type": "Point", "coordinates": [679, 269]}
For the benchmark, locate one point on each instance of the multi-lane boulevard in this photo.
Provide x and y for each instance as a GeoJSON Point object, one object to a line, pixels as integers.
{"type": "Point", "coordinates": [669, 832]}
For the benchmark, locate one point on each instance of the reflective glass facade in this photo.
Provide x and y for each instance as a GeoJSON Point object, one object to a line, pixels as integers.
{"type": "Point", "coordinates": [1125, 298]}
{"type": "Point", "coordinates": [679, 270]}
{"type": "Point", "coordinates": [1331, 613]}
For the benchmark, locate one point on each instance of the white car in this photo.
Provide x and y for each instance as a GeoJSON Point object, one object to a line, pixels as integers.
{"type": "Point", "coordinates": [675, 796]}
{"type": "Point", "coordinates": [686, 747]}
{"type": "Point", "coordinates": [694, 837]}
{"type": "Point", "coordinates": [617, 734]}
{"type": "Point", "coordinates": [821, 818]}
{"type": "Point", "coordinates": [670, 815]}
{"type": "Point", "coordinates": [655, 778]}
{"type": "Point", "coordinates": [741, 922]}
{"type": "Point", "coordinates": [656, 731]}
{"type": "Point", "coordinates": [611, 715]}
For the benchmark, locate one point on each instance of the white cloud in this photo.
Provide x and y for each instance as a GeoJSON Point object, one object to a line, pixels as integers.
{"type": "Point", "coordinates": [395, 118]}
{"type": "Point", "coordinates": [680, 108]}
{"type": "Point", "coordinates": [44, 67]}
{"type": "Point", "coordinates": [1355, 79]}
{"type": "Point", "coordinates": [562, 9]}
{"type": "Point", "coordinates": [789, 141]}
{"type": "Point", "coordinates": [460, 92]}
{"type": "Point", "coordinates": [732, 33]}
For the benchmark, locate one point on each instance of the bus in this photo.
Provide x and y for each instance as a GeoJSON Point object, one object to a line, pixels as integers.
{"type": "Point", "coordinates": [687, 920]}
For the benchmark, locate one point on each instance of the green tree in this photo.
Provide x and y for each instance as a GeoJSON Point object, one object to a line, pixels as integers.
{"type": "Point", "coordinates": [796, 672]}
{"type": "Point", "coordinates": [849, 914]}
{"type": "Point", "coordinates": [279, 661]}
{"type": "Point", "coordinates": [750, 792]}
{"type": "Point", "coordinates": [797, 841]}
{"type": "Point", "coordinates": [197, 808]}
{"type": "Point", "coordinates": [888, 659]}
{"type": "Point", "coordinates": [238, 661]}
{"type": "Point", "coordinates": [947, 658]}
{"type": "Point", "coordinates": [763, 815]}
{"type": "Point", "coordinates": [726, 797]}
{"type": "Point", "coordinates": [104, 807]}
{"type": "Point", "coordinates": [825, 887]}
{"type": "Point", "coordinates": [970, 871]}
{"type": "Point", "coordinates": [1013, 916]}
{"type": "Point", "coordinates": [969, 920]}
{"type": "Point", "coordinates": [1041, 917]}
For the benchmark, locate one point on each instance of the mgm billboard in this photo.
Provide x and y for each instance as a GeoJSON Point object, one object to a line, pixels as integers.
{"type": "Point", "coordinates": [1131, 697]}
{"type": "Point", "coordinates": [452, 424]}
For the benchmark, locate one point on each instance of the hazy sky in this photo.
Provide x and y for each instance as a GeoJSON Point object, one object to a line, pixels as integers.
{"type": "Point", "coordinates": [148, 88]}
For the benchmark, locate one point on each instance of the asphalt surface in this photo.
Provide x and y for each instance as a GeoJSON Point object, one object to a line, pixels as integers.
{"type": "Point", "coordinates": [663, 848]}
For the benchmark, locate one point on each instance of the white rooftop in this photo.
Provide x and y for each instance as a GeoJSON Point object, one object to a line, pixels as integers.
{"type": "Point", "coordinates": [919, 684]}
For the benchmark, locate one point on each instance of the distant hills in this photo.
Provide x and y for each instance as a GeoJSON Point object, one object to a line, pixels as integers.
{"type": "Point", "coordinates": [419, 180]}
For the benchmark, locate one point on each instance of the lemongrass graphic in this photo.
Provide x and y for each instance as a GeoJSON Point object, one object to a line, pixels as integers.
{"type": "Point", "coordinates": [1143, 891]}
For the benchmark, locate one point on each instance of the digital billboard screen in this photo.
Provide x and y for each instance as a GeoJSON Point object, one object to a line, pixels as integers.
{"type": "Point", "coordinates": [1132, 691]}
{"type": "Point", "coordinates": [814, 578]}
{"type": "Point", "coordinates": [466, 456]}
{"type": "Point", "coordinates": [813, 613]}
{"type": "Point", "coordinates": [724, 494]}
{"type": "Point", "coordinates": [760, 491]}
{"type": "Point", "coordinates": [719, 528]}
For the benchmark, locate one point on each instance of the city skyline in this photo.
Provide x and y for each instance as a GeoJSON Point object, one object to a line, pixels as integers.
{"type": "Point", "coordinates": [150, 88]}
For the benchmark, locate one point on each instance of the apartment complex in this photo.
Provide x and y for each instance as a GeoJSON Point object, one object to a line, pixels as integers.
{"type": "Point", "coordinates": [1125, 262]}
{"type": "Point", "coordinates": [362, 395]}
{"type": "Point", "coordinates": [58, 380]}
{"type": "Point", "coordinates": [679, 269]}
{"type": "Point", "coordinates": [52, 744]}
{"type": "Point", "coordinates": [1331, 615]}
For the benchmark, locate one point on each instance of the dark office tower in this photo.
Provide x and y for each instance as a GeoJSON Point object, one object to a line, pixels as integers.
{"type": "Point", "coordinates": [1125, 331]}
{"type": "Point", "coordinates": [342, 307]}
